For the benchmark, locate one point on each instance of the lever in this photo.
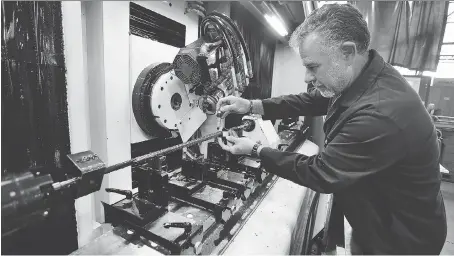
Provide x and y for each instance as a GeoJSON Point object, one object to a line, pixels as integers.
{"type": "Point", "coordinates": [126, 193]}
{"type": "Point", "coordinates": [186, 225]}
{"type": "Point", "coordinates": [227, 194]}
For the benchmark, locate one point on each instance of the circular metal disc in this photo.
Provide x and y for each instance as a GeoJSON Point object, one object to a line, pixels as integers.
{"type": "Point", "coordinates": [141, 99]}
{"type": "Point", "coordinates": [169, 101]}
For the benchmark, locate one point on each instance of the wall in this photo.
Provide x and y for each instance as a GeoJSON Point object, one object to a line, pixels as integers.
{"type": "Point", "coordinates": [96, 76]}
{"type": "Point", "coordinates": [288, 74]}
{"type": "Point", "coordinates": [78, 117]}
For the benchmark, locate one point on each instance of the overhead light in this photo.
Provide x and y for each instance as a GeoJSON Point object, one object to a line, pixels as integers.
{"type": "Point", "coordinates": [276, 24]}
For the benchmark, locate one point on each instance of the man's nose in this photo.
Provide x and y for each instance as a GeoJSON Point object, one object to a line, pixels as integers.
{"type": "Point", "coordinates": [309, 77]}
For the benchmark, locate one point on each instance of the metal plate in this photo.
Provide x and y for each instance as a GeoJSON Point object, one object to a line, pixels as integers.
{"type": "Point", "coordinates": [184, 116]}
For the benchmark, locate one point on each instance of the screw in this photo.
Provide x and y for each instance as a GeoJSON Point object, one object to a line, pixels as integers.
{"type": "Point", "coordinates": [12, 194]}
{"type": "Point", "coordinates": [45, 213]}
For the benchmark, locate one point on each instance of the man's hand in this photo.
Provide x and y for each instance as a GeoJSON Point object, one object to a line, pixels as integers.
{"type": "Point", "coordinates": [241, 146]}
{"type": "Point", "coordinates": [232, 104]}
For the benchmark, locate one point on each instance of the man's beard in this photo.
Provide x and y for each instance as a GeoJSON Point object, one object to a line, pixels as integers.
{"type": "Point", "coordinates": [330, 92]}
{"type": "Point", "coordinates": [324, 91]}
{"type": "Point", "coordinates": [327, 93]}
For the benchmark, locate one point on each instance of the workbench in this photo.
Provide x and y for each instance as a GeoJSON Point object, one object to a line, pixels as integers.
{"type": "Point", "coordinates": [272, 227]}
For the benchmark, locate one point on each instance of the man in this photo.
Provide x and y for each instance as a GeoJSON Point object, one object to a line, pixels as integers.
{"type": "Point", "coordinates": [381, 154]}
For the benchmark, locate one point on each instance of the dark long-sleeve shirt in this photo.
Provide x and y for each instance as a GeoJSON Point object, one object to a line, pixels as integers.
{"type": "Point", "coordinates": [380, 160]}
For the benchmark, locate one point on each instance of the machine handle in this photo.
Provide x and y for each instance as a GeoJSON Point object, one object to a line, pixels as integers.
{"type": "Point", "coordinates": [187, 229]}
{"type": "Point", "coordinates": [185, 225]}
{"type": "Point", "coordinates": [126, 193]}
{"type": "Point", "coordinates": [228, 194]}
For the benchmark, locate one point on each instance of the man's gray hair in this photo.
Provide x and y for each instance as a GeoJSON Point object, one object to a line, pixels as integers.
{"type": "Point", "coordinates": [337, 23]}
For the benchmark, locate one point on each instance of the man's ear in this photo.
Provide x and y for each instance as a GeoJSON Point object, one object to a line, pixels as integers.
{"type": "Point", "coordinates": [348, 50]}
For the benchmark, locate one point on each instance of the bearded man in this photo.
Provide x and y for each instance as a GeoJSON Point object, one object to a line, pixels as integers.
{"type": "Point", "coordinates": [380, 159]}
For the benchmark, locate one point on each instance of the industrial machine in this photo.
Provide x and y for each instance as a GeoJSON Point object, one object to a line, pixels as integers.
{"type": "Point", "coordinates": [190, 208]}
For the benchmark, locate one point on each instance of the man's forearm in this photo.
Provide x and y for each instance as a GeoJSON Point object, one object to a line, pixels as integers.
{"type": "Point", "coordinates": [305, 104]}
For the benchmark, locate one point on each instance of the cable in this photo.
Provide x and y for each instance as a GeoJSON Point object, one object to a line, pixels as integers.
{"type": "Point", "coordinates": [223, 27]}
{"type": "Point", "coordinates": [238, 33]}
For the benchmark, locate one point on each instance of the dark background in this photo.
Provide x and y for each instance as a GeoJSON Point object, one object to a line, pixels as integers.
{"type": "Point", "coordinates": [35, 116]}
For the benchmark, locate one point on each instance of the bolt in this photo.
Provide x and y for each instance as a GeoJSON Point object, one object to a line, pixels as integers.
{"type": "Point", "coordinates": [38, 173]}
{"type": "Point", "coordinates": [189, 216]}
{"type": "Point", "coordinates": [45, 213]}
{"type": "Point", "coordinates": [12, 194]}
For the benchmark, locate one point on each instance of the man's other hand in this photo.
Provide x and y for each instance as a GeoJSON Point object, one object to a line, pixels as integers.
{"type": "Point", "coordinates": [232, 104]}
{"type": "Point", "coordinates": [240, 146]}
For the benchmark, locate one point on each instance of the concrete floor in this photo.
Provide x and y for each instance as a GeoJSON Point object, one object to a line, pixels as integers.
{"type": "Point", "coordinates": [448, 196]}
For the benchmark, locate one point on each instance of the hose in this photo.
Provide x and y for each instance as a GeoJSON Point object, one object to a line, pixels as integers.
{"type": "Point", "coordinates": [223, 26]}
{"type": "Point", "coordinates": [238, 33]}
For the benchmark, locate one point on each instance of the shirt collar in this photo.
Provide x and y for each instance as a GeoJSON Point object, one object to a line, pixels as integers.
{"type": "Point", "coordinates": [364, 80]}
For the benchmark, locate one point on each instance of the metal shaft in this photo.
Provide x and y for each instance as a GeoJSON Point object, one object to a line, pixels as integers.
{"type": "Point", "coordinates": [61, 185]}
{"type": "Point", "coordinates": [168, 150]}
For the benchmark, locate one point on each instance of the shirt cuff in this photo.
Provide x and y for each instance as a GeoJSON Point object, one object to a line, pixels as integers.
{"type": "Point", "coordinates": [258, 150]}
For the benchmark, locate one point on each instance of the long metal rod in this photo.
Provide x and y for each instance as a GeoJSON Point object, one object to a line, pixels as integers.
{"type": "Point", "coordinates": [63, 184]}
{"type": "Point", "coordinates": [168, 150]}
